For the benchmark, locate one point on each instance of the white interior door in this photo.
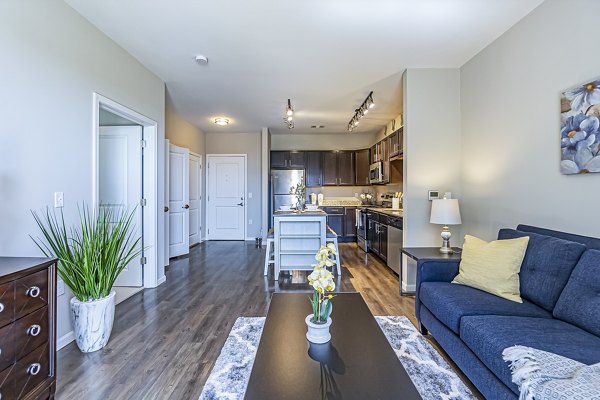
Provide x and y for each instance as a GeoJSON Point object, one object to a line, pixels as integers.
{"type": "Point", "coordinates": [120, 184]}
{"type": "Point", "coordinates": [166, 209]}
{"type": "Point", "coordinates": [179, 201]}
{"type": "Point", "coordinates": [195, 197]}
{"type": "Point", "coordinates": [226, 197]}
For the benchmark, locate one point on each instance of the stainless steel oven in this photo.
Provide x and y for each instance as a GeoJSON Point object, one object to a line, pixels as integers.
{"type": "Point", "coordinates": [376, 172]}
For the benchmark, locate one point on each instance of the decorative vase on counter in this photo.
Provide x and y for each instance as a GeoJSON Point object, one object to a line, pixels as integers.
{"type": "Point", "coordinates": [318, 333]}
{"type": "Point", "coordinates": [93, 322]}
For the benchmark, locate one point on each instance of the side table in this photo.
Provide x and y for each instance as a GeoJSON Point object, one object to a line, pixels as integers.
{"type": "Point", "coordinates": [422, 254]}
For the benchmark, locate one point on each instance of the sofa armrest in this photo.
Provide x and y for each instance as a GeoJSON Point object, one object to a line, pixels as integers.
{"type": "Point", "coordinates": [433, 271]}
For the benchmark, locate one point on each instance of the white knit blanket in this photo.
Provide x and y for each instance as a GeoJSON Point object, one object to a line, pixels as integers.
{"type": "Point", "coordinates": [543, 376]}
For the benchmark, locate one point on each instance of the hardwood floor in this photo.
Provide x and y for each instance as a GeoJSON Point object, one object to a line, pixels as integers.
{"type": "Point", "coordinates": [166, 340]}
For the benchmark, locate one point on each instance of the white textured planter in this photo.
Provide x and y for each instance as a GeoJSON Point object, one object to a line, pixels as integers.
{"type": "Point", "coordinates": [318, 333]}
{"type": "Point", "coordinates": [92, 322]}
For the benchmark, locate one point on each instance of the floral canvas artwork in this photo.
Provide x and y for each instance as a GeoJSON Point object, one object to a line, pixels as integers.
{"type": "Point", "coordinates": [580, 129]}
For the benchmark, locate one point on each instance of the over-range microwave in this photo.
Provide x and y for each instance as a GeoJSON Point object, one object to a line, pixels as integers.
{"type": "Point", "coordinates": [376, 172]}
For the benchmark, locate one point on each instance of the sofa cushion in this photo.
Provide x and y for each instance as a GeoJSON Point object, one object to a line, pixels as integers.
{"type": "Point", "coordinates": [488, 335]}
{"type": "Point", "coordinates": [547, 265]}
{"type": "Point", "coordinates": [450, 302]}
{"type": "Point", "coordinates": [579, 302]}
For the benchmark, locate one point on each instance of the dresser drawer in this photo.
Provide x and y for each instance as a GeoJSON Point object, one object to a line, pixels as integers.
{"type": "Point", "coordinates": [30, 332]}
{"type": "Point", "coordinates": [31, 293]}
{"type": "Point", "coordinates": [7, 303]}
{"type": "Point", "coordinates": [7, 346]}
{"type": "Point", "coordinates": [7, 383]}
{"type": "Point", "coordinates": [31, 370]}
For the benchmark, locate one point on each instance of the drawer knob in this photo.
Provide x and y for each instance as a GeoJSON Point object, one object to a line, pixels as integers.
{"type": "Point", "coordinates": [33, 291]}
{"type": "Point", "coordinates": [34, 330]}
{"type": "Point", "coordinates": [34, 369]}
{"type": "Point", "coordinates": [1, 309]}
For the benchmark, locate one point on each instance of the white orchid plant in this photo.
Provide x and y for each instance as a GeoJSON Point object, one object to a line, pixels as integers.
{"type": "Point", "coordinates": [321, 279]}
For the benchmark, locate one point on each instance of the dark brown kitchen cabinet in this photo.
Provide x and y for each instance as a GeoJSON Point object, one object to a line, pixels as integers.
{"type": "Point", "coordinates": [349, 224]}
{"type": "Point", "coordinates": [346, 168]}
{"type": "Point", "coordinates": [335, 220]}
{"type": "Point", "coordinates": [361, 163]}
{"type": "Point", "coordinates": [396, 145]}
{"type": "Point", "coordinates": [287, 159]}
{"type": "Point", "coordinates": [338, 168]}
{"type": "Point", "coordinates": [373, 153]}
{"type": "Point", "coordinates": [330, 174]}
{"type": "Point", "coordinates": [297, 159]}
{"type": "Point", "coordinates": [314, 168]}
{"type": "Point", "coordinates": [279, 159]}
{"type": "Point", "coordinates": [377, 234]}
{"type": "Point", "coordinates": [383, 237]}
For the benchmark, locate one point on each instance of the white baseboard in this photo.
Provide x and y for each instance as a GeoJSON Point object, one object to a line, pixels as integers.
{"type": "Point", "coordinates": [65, 340]}
{"type": "Point", "coordinates": [161, 280]}
{"type": "Point", "coordinates": [408, 288]}
{"type": "Point", "coordinates": [249, 239]}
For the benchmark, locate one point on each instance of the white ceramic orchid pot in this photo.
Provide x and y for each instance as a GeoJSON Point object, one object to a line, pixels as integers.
{"type": "Point", "coordinates": [93, 322]}
{"type": "Point", "coordinates": [318, 333]}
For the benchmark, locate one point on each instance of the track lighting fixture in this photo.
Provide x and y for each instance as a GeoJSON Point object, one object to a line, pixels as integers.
{"type": "Point", "coordinates": [361, 111]}
{"type": "Point", "coordinates": [289, 115]}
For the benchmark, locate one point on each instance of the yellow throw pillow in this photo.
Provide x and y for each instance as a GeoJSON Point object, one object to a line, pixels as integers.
{"type": "Point", "coordinates": [493, 267]}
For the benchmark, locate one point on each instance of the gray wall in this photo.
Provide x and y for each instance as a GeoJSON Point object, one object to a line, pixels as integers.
{"type": "Point", "coordinates": [431, 149]}
{"type": "Point", "coordinates": [52, 61]}
{"type": "Point", "coordinates": [250, 144]}
{"type": "Point", "coordinates": [511, 125]}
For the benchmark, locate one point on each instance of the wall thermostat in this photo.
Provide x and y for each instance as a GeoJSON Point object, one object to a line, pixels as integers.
{"type": "Point", "coordinates": [434, 194]}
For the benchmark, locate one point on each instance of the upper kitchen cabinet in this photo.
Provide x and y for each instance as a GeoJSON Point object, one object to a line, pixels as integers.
{"type": "Point", "coordinates": [287, 159]}
{"type": "Point", "coordinates": [361, 161]}
{"type": "Point", "coordinates": [314, 168]}
{"type": "Point", "coordinates": [396, 143]}
{"type": "Point", "coordinates": [346, 168]}
{"type": "Point", "coordinates": [338, 168]}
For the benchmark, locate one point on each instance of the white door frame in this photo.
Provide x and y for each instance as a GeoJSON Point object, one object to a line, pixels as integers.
{"type": "Point", "coordinates": [200, 210]}
{"type": "Point", "coordinates": [150, 129]}
{"type": "Point", "coordinates": [208, 156]}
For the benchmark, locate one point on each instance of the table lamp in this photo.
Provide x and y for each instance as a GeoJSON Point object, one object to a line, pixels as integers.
{"type": "Point", "coordinates": [445, 212]}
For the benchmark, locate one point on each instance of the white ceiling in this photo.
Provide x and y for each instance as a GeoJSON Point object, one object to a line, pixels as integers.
{"type": "Point", "coordinates": [326, 55]}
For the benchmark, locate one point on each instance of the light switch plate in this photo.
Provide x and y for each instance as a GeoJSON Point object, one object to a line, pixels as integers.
{"type": "Point", "coordinates": [59, 199]}
{"type": "Point", "coordinates": [249, 195]}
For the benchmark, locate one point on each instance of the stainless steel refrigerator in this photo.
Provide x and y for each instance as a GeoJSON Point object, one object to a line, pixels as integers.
{"type": "Point", "coordinates": [281, 182]}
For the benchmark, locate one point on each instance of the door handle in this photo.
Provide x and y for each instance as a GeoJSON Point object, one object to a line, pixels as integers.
{"type": "Point", "coordinates": [166, 209]}
{"type": "Point", "coordinates": [186, 206]}
{"type": "Point", "coordinates": [240, 204]}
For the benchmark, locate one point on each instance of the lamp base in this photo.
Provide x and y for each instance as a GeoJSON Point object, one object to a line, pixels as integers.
{"type": "Point", "coordinates": [446, 249]}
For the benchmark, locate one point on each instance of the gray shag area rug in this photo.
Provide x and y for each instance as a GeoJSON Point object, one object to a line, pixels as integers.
{"type": "Point", "coordinates": [430, 373]}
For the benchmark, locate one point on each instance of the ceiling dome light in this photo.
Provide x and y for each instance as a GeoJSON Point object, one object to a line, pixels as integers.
{"type": "Point", "coordinates": [201, 59]}
{"type": "Point", "coordinates": [222, 121]}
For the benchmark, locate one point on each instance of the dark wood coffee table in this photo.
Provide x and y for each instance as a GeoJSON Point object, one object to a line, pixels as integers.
{"type": "Point", "coordinates": [358, 362]}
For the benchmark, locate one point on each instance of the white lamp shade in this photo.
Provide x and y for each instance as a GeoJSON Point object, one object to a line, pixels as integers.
{"type": "Point", "coordinates": [445, 212]}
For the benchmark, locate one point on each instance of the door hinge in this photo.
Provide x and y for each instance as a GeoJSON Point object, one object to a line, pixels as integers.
{"type": "Point", "coordinates": [143, 261]}
{"type": "Point", "coordinates": [143, 202]}
{"type": "Point", "coordinates": [209, 231]}
{"type": "Point", "coordinates": [143, 143]}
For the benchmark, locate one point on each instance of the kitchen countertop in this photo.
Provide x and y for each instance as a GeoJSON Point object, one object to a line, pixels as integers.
{"type": "Point", "coordinates": [388, 211]}
{"type": "Point", "coordinates": [300, 214]}
{"type": "Point", "coordinates": [341, 203]}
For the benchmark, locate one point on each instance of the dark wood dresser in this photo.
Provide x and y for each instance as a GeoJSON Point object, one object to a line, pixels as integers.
{"type": "Point", "coordinates": [27, 328]}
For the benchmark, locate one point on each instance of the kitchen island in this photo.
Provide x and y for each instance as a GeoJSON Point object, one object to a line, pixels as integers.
{"type": "Point", "coordinates": [298, 236]}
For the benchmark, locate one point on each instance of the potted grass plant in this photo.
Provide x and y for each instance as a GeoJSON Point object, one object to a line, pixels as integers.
{"type": "Point", "coordinates": [91, 255]}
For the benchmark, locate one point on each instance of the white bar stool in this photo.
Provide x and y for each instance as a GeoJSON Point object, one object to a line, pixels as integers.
{"type": "Point", "coordinates": [332, 238]}
{"type": "Point", "coordinates": [270, 253]}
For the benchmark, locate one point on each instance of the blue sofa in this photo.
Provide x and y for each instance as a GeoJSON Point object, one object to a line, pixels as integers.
{"type": "Point", "coordinates": [560, 313]}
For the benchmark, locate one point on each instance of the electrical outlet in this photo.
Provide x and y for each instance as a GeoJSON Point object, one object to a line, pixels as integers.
{"type": "Point", "coordinates": [249, 222]}
{"type": "Point", "coordinates": [60, 287]}
{"type": "Point", "coordinates": [58, 199]}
